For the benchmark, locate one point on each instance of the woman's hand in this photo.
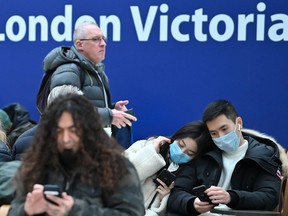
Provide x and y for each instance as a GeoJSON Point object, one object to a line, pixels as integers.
{"type": "Point", "coordinates": [163, 189]}
{"type": "Point", "coordinates": [159, 141]}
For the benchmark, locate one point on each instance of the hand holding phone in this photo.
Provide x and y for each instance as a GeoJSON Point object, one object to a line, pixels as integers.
{"type": "Point", "coordinates": [165, 176]}
{"type": "Point", "coordinates": [199, 192]}
{"type": "Point", "coordinates": [130, 112]}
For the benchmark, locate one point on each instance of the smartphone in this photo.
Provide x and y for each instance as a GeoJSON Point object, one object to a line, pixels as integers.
{"type": "Point", "coordinates": [130, 112]}
{"type": "Point", "coordinates": [52, 190]}
{"type": "Point", "coordinates": [199, 192]}
{"type": "Point", "coordinates": [165, 176]}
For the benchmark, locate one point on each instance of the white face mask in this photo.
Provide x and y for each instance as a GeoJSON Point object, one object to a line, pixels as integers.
{"type": "Point", "coordinates": [228, 142]}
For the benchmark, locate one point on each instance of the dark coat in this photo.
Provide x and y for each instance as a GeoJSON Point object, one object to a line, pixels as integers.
{"type": "Point", "coordinates": [125, 200]}
{"type": "Point", "coordinates": [22, 143]}
{"type": "Point", "coordinates": [5, 155]}
{"type": "Point", "coordinates": [20, 118]}
{"type": "Point", "coordinates": [254, 182]}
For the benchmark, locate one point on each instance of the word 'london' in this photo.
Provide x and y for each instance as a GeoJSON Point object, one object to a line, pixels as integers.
{"type": "Point", "coordinates": [220, 27]}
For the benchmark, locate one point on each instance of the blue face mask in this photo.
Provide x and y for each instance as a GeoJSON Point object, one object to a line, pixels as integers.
{"type": "Point", "coordinates": [177, 155]}
{"type": "Point", "coordinates": [228, 142]}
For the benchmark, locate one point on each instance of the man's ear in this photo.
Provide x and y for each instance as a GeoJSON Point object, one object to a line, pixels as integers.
{"type": "Point", "coordinates": [79, 45]}
{"type": "Point", "coordinates": [239, 122]}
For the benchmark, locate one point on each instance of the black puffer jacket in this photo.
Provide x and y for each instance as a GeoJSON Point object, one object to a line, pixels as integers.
{"type": "Point", "coordinates": [254, 182]}
{"type": "Point", "coordinates": [68, 63]}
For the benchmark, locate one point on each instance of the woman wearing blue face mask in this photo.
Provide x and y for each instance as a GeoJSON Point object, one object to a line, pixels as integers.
{"type": "Point", "coordinates": [153, 155]}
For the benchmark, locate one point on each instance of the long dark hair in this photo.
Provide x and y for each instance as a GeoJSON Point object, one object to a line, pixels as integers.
{"type": "Point", "coordinates": [195, 130]}
{"type": "Point", "coordinates": [100, 159]}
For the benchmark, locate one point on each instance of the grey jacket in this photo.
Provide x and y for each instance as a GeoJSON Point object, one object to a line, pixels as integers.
{"type": "Point", "coordinates": [68, 64]}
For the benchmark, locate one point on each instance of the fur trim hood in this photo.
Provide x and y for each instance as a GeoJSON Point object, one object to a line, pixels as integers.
{"type": "Point", "coordinates": [282, 153]}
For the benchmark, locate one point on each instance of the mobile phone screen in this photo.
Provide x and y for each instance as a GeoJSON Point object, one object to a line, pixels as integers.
{"type": "Point", "coordinates": [52, 190]}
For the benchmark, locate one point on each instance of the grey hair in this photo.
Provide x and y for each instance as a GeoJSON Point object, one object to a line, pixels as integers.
{"type": "Point", "coordinates": [80, 31]}
{"type": "Point", "coordinates": [63, 90]}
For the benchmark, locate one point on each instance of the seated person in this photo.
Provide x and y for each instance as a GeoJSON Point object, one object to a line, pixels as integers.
{"type": "Point", "coordinates": [20, 122]}
{"type": "Point", "coordinates": [4, 150]}
{"type": "Point", "coordinates": [71, 150]}
{"type": "Point", "coordinates": [25, 139]}
{"type": "Point", "coordinates": [151, 156]}
{"type": "Point", "coordinates": [240, 172]}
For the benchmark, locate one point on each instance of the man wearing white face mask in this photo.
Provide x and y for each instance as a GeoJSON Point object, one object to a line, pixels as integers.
{"type": "Point", "coordinates": [240, 172]}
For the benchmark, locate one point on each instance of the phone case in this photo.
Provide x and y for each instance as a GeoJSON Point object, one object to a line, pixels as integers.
{"type": "Point", "coordinates": [130, 112]}
{"type": "Point", "coordinates": [165, 176]}
{"type": "Point", "coordinates": [199, 192]}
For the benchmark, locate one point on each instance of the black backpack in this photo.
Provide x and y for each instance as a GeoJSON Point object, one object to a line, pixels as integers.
{"type": "Point", "coordinates": [44, 89]}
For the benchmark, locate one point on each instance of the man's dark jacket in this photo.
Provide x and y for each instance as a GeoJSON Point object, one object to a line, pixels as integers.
{"type": "Point", "coordinates": [254, 183]}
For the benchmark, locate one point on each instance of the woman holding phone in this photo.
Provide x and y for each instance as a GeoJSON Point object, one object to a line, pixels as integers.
{"type": "Point", "coordinates": [159, 159]}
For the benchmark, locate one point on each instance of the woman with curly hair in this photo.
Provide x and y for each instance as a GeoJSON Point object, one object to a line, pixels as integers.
{"type": "Point", "coordinates": [71, 150]}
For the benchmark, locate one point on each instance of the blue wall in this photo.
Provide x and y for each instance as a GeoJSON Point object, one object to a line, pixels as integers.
{"type": "Point", "coordinates": [169, 58]}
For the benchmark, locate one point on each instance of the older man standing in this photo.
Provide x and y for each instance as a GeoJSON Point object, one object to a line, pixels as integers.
{"type": "Point", "coordinates": [80, 66]}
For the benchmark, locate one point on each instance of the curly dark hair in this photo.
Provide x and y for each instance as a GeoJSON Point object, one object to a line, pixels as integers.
{"type": "Point", "coordinates": [100, 159]}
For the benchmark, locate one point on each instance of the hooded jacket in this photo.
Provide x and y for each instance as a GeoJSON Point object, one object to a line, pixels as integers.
{"type": "Point", "coordinates": [255, 183]}
{"type": "Point", "coordinates": [68, 64]}
{"type": "Point", "coordinates": [20, 119]}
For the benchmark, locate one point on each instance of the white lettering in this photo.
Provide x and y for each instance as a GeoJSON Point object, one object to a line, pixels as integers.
{"type": "Point", "coordinates": [42, 21]}
{"type": "Point", "coordinates": [66, 20]}
{"type": "Point", "coordinates": [279, 31]}
{"type": "Point", "coordinates": [163, 23]}
{"type": "Point", "coordinates": [243, 21]}
{"type": "Point", "coordinates": [198, 18]}
{"type": "Point", "coordinates": [220, 27]}
{"type": "Point", "coordinates": [116, 24]}
{"type": "Point", "coordinates": [20, 22]}
{"type": "Point", "coordinates": [175, 28]}
{"type": "Point", "coordinates": [143, 31]}
{"type": "Point", "coordinates": [260, 31]}
{"type": "Point", "coordinates": [214, 25]}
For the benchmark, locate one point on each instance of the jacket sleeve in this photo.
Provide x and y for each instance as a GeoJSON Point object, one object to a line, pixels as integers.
{"type": "Point", "coordinates": [125, 200]}
{"type": "Point", "coordinates": [263, 194]}
{"type": "Point", "coordinates": [145, 158]}
{"type": "Point", "coordinates": [180, 201]}
{"type": "Point", "coordinates": [5, 155]}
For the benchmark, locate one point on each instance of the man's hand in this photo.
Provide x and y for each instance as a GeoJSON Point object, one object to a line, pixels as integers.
{"type": "Point", "coordinates": [62, 207]}
{"type": "Point", "coordinates": [35, 201]}
{"type": "Point", "coordinates": [121, 119]}
{"type": "Point", "coordinates": [202, 207]}
{"type": "Point", "coordinates": [121, 105]}
{"type": "Point", "coordinates": [218, 195]}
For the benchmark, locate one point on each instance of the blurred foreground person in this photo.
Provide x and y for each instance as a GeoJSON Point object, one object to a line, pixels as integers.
{"type": "Point", "coordinates": [72, 151]}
